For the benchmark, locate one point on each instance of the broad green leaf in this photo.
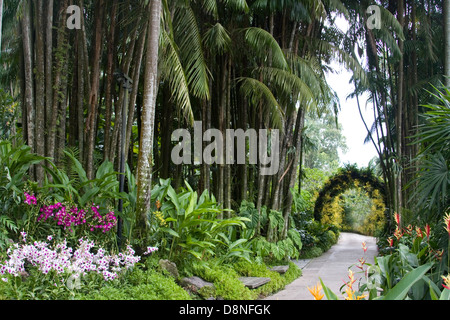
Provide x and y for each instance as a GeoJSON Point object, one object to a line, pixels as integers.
{"type": "Point", "coordinates": [173, 197]}
{"type": "Point", "coordinates": [88, 195]}
{"type": "Point", "coordinates": [434, 295]}
{"type": "Point", "coordinates": [237, 243]}
{"type": "Point", "coordinates": [328, 293]}
{"type": "Point", "coordinates": [192, 203]}
{"type": "Point", "coordinates": [170, 231]}
{"type": "Point", "coordinates": [445, 295]}
{"type": "Point", "coordinates": [400, 290]}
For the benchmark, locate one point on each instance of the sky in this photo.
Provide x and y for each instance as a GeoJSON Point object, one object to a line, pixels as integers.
{"type": "Point", "coordinates": [352, 125]}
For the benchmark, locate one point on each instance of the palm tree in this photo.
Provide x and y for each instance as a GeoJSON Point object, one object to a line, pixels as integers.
{"type": "Point", "coordinates": [1, 25]}
{"type": "Point", "coordinates": [144, 167]}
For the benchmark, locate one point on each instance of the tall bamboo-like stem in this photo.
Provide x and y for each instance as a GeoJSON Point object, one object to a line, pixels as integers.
{"type": "Point", "coordinates": [400, 113]}
{"type": "Point", "coordinates": [144, 168]}
{"type": "Point", "coordinates": [28, 96]}
{"type": "Point", "coordinates": [447, 41]}
{"type": "Point", "coordinates": [91, 122]}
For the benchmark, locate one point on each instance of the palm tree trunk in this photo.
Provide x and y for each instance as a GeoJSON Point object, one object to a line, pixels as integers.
{"type": "Point", "coordinates": [58, 81]}
{"type": "Point", "coordinates": [29, 104]}
{"type": "Point", "coordinates": [278, 182]}
{"type": "Point", "coordinates": [110, 79]}
{"type": "Point", "coordinates": [228, 180]}
{"type": "Point", "coordinates": [94, 93]}
{"type": "Point", "coordinates": [144, 167]}
{"type": "Point", "coordinates": [447, 41]}
{"type": "Point", "coordinates": [135, 88]}
{"type": "Point", "coordinates": [126, 64]}
{"type": "Point", "coordinates": [48, 68]}
{"type": "Point", "coordinates": [1, 25]}
{"type": "Point", "coordinates": [400, 112]}
{"type": "Point", "coordinates": [298, 141]}
{"type": "Point", "coordinates": [40, 86]}
{"type": "Point", "coordinates": [81, 94]}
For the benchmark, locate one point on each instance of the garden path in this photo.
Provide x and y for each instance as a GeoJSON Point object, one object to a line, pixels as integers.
{"type": "Point", "coordinates": [332, 267]}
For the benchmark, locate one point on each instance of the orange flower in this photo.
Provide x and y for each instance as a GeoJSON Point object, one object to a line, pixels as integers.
{"type": "Point", "coordinates": [419, 232]}
{"type": "Point", "coordinates": [349, 290]}
{"type": "Point", "coordinates": [158, 205]}
{"type": "Point", "coordinates": [428, 230]}
{"type": "Point", "coordinates": [447, 222]}
{"type": "Point", "coordinates": [397, 218]}
{"type": "Point", "coordinates": [438, 254]}
{"type": "Point", "coordinates": [364, 246]}
{"type": "Point", "coordinates": [409, 229]}
{"type": "Point", "coordinates": [398, 234]}
{"type": "Point", "coordinates": [351, 276]}
{"type": "Point", "coordinates": [349, 293]}
{"type": "Point", "coordinates": [390, 241]}
{"type": "Point", "coordinates": [446, 283]}
{"type": "Point", "coordinates": [316, 292]}
{"type": "Point", "coordinates": [362, 262]}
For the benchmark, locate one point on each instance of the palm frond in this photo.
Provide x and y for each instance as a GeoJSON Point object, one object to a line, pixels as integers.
{"type": "Point", "coordinates": [344, 58]}
{"type": "Point", "coordinates": [189, 40]}
{"type": "Point", "coordinates": [238, 5]}
{"type": "Point", "coordinates": [257, 93]}
{"type": "Point", "coordinates": [217, 39]}
{"type": "Point", "coordinates": [290, 85]}
{"type": "Point", "coordinates": [338, 6]}
{"type": "Point", "coordinates": [210, 7]}
{"type": "Point", "coordinates": [434, 180]}
{"type": "Point", "coordinates": [391, 22]}
{"type": "Point", "coordinates": [172, 70]}
{"type": "Point", "coordinates": [309, 70]}
{"type": "Point", "coordinates": [435, 132]}
{"type": "Point", "coordinates": [264, 43]}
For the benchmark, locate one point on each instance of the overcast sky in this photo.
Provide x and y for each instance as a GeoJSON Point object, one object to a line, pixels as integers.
{"type": "Point", "coordinates": [350, 119]}
{"type": "Point", "coordinates": [353, 126]}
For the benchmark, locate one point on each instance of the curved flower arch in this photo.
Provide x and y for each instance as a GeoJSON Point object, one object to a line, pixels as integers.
{"type": "Point", "coordinates": [345, 179]}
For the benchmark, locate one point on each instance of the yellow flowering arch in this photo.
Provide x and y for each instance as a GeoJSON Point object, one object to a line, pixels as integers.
{"type": "Point", "coordinates": [345, 179]}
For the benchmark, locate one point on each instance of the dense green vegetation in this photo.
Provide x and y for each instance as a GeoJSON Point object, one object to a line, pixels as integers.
{"type": "Point", "coordinates": [91, 200]}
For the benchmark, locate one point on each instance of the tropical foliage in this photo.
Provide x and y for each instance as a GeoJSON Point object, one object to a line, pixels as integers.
{"type": "Point", "coordinates": [89, 99]}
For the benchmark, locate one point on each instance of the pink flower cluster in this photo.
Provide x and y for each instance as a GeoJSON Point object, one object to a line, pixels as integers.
{"type": "Point", "coordinates": [63, 259]}
{"type": "Point", "coordinates": [30, 199]}
{"type": "Point", "coordinates": [71, 217]}
{"type": "Point", "coordinates": [105, 223]}
{"type": "Point", "coordinates": [150, 250]}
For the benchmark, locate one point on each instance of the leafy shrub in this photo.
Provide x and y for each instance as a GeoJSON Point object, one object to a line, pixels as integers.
{"type": "Point", "coordinates": [187, 225]}
{"type": "Point", "coordinates": [265, 234]}
{"type": "Point", "coordinates": [140, 285]}
{"type": "Point", "coordinates": [226, 281]}
{"type": "Point", "coordinates": [54, 271]}
{"type": "Point", "coordinates": [327, 239]}
{"type": "Point", "coordinates": [8, 114]}
{"type": "Point", "coordinates": [70, 206]}
{"type": "Point", "coordinates": [41, 270]}
{"type": "Point", "coordinates": [15, 162]}
{"type": "Point", "coordinates": [411, 267]}
{"type": "Point", "coordinates": [317, 238]}
{"type": "Point", "coordinates": [311, 252]}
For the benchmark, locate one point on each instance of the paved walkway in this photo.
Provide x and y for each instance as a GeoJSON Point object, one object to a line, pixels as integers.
{"type": "Point", "coordinates": [331, 267]}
